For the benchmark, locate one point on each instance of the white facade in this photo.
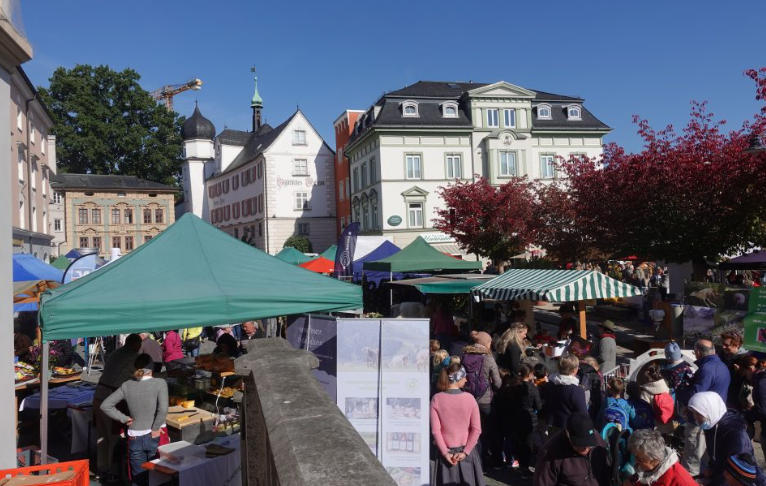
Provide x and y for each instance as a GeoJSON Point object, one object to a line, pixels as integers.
{"type": "Point", "coordinates": [279, 185]}
{"type": "Point", "coordinates": [396, 171]}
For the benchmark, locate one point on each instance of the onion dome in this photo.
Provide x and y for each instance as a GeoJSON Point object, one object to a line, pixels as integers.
{"type": "Point", "coordinates": [197, 126]}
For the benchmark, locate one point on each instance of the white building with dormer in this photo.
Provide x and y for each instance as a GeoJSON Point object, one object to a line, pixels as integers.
{"type": "Point", "coordinates": [427, 135]}
{"type": "Point", "coordinates": [264, 185]}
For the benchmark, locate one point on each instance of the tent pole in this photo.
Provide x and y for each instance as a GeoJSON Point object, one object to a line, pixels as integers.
{"type": "Point", "coordinates": [44, 404]}
{"type": "Point", "coordinates": [391, 292]}
{"type": "Point", "coordinates": [583, 329]}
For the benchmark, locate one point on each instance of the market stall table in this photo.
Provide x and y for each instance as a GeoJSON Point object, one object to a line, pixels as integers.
{"type": "Point", "coordinates": [193, 470]}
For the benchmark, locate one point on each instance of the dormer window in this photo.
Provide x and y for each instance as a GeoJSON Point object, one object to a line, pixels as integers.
{"type": "Point", "coordinates": [449, 109]}
{"type": "Point", "coordinates": [544, 112]}
{"type": "Point", "coordinates": [410, 109]}
{"type": "Point", "coordinates": [574, 112]}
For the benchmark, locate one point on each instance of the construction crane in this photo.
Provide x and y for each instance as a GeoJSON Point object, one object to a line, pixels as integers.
{"type": "Point", "coordinates": [167, 93]}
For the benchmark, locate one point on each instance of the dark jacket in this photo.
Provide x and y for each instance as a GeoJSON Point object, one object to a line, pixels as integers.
{"type": "Point", "coordinates": [511, 359]}
{"type": "Point", "coordinates": [562, 400]}
{"type": "Point", "coordinates": [728, 438]}
{"type": "Point", "coordinates": [558, 464]}
{"type": "Point", "coordinates": [758, 412]}
{"type": "Point", "coordinates": [593, 384]}
{"type": "Point", "coordinates": [735, 386]}
{"type": "Point", "coordinates": [524, 404]}
{"type": "Point", "coordinates": [712, 375]}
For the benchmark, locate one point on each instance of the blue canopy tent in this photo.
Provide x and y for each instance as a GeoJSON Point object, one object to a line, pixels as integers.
{"type": "Point", "coordinates": [26, 267]}
{"type": "Point", "coordinates": [386, 249]}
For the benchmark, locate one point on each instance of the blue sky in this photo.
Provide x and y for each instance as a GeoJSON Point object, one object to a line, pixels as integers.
{"type": "Point", "coordinates": [624, 58]}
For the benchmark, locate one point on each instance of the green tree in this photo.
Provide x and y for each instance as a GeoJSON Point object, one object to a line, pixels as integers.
{"type": "Point", "coordinates": [106, 123]}
{"type": "Point", "coordinates": [300, 243]}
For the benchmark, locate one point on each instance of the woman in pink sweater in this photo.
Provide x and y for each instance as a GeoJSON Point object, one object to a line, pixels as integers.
{"type": "Point", "coordinates": [171, 347]}
{"type": "Point", "coordinates": [456, 427]}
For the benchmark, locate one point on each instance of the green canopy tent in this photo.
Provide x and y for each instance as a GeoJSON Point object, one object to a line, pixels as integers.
{"type": "Point", "coordinates": [420, 256]}
{"type": "Point", "coordinates": [554, 286]}
{"type": "Point", "coordinates": [293, 256]}
{"type": "Point", "coordinates": [330, 253]}
{"type": "Point", "coordinates": [62, 263]}
{"type": "Point", "coordinates": [190, 275]}
{"type": "Point", "coordinates": [446, 284]}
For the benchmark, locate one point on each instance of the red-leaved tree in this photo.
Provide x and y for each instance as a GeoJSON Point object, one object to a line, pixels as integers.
{"type": "Point", "coordinates": [497, 222]}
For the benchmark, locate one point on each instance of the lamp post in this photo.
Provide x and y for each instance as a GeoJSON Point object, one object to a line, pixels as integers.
{"type": "Point", "coordinates": [757, 145]}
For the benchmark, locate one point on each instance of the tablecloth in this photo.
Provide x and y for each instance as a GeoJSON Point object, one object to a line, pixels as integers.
{"type": "Point", "coordinates": [220, 471]}
{"type": "Point", "coordinates": [62, 397]}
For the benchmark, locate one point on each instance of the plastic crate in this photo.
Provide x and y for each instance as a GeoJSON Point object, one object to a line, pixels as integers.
{"type": "Point", "coordinates": [30, 456]}
{"type": "Point", "coordinates": [80, 468]}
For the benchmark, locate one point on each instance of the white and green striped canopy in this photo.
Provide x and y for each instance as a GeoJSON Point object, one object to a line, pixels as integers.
{"type": "Point", "coordinates": [553, 286]}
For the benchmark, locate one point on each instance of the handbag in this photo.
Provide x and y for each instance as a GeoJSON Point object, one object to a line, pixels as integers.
{"type": "Point", "coordinates": [192, 343]}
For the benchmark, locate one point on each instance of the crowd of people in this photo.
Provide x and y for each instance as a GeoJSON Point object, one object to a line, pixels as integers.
{"type": "Point", "coordinates": [493, 407]}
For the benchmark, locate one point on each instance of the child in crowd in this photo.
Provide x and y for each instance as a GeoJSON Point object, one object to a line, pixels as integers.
{"type": "Point", "coordinates": [643, 417]}
{"type": "Point", "coordinates": [502, 401]}
{"type": "Point", "coordinates": [439, 360]}
{"type": "Point", "coordinates": [525, 404]}
{"type": "Point", "coordinates": [435, 345]}
{"type": "Point", "coordinates": [455, 359]}
{"type": "Point", "coordinates": [615, 388]}
{"type": "Point", "coordinates": [541, 376]}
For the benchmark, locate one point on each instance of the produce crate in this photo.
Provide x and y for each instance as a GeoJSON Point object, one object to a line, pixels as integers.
{"type": "Point", "coordinates": [30, 456]}
{"type": "Point", "coordinates": [37, 474]}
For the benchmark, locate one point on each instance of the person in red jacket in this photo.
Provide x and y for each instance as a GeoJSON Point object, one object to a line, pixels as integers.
{"type": "Point", "coordinates": [656, 463]}
{"type": "Point", "coordinates": [171, 347]}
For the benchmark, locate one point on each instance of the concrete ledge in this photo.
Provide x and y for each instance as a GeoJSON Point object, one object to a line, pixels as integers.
{"type": "Point", "coordinates": [293, 434]}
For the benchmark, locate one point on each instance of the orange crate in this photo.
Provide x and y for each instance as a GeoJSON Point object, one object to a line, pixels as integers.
{"type": "Point", "coordinates": [80, 468]}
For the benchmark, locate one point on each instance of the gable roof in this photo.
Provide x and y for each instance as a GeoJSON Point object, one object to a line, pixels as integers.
{"type": "Point", "coordinates": [191, 274]}
{"type": "Point", "coordinates": [258, 143]}
{"type": "Point", "coordinates": [107, 182]}
{"type": "Point", "coordinates": [420, 256]}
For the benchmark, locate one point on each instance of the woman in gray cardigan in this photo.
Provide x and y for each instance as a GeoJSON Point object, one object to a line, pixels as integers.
{"type": "Point", "coordinates": [147, 400]}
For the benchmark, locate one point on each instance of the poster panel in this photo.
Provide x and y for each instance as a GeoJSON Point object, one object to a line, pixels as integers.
{"type": "Point", "coordinates": [755, 322]}
{"type": "Point", "coordinates": [712, 309]}
{"type": "Point", "coordinates": [405, 400]}
{"type": "Point", "coordinates": [318, 334]}
{"type": "Point", "coordinates": [358, 385]}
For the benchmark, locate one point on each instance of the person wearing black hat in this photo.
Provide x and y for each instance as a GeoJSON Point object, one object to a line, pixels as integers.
{"type": "Point", "coordinates": [568, 324]}
{"type": "Point", "coordinates": [576, 456]}
{"type": "Point", "coordinates": [605, 350]}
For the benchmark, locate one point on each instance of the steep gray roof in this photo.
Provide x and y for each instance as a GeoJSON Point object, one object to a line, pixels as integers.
{"type": "Point", "coordinates": [259, 141]}
{"type": "Point", "coordinates": [107, 182]}
{"type": "Point", "coordinates": [436, 89]}
{"type": "Point", "coordinates": [197, 126]}
{"type": "Point", "coordinates": [235, 137]}
{"type": "Point", "coordinates": [560, 121]}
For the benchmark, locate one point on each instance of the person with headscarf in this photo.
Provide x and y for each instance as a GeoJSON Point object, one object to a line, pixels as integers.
{"type": "Point", "coordinates": [725, 435]}
{"type": "Point", "coordinates": [656, 463]}
{"type": "Point", "coordinates": [456, 428]}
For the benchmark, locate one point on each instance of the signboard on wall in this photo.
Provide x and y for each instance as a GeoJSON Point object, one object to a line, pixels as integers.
{"type": "Point", "coordinates": [755, 321]}
{"type": "Point", "coordinates": [318, 335]}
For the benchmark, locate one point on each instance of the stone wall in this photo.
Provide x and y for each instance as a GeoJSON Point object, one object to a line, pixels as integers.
{"type": "Point", "coordinates": [293, 434]}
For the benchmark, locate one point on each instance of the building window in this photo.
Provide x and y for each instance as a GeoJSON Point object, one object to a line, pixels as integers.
{"type": "Point", "coordinates": [413, 166]}
{"type": "Point", "coordinates": [147, 216]}
{"type": "Point", "coordinates": [33, 176]}
{"type": "Point", "coordinates": [574, 113]}
{"type": "Point", "coordinates": [373, 171]}
{"type": "Point", "coordinates": [83, 215]}
{"type": "Point", "coordinates": [509, 118]}
{"type": "Point", "coordinates": [45, 183]}
{"type": "Point", "coordinates": [454, 167]}
{"type": "Point", "coordinates": [22, 219]}
{"type": "Point", "coordinates": [410, 109]}
{"type": "Point", "coordinates": [544, 112]}
{"type": "Point", "coordinates": [449, 109]}
{"type": "Point", "coordinates": [300, 167]}
{"type": "Point", "coordinates": [128, 243]}
{"type": "Point", "coordinates": [158, 216]}
{"type": "Point", "coordinates": [97, 243]}
{"type": "Point", "coordinates": [340, 191]}
{"type": "Point", "coordinates": [117, 242]}
{"type": "Point", "coordinates": [83, 242]}
{"type": "Point", "coordinates": [235, 182]}
{"type": "Point", "coordinates": [348, 188]}
{"type": "Point", "coordinates": [43, 143]}
{"type": "Point", "coordinates": [356, 210]}
{"type": "Point", "coordinates": [374, 206]}
{"type": "Point", "coordinates": [20, 154]}
{"type": "Point", "coordinates": [364, 175]}
{"type": "Point", "coordinates": [95, 216]}
{"type": "Point", "coordinates": [493, 120]}
{"type": "Point", "coordinates": [415, 215]}
{"type": "Point", "coordinates": [356, 179]}
{"type": "Point", "coordinates": [299, 137]}
{"type": "Point", "coordinates": [507, 164]}
{"type": "Point", "coordinates": [115, 216]}
{"type": "Point", "coordinates": [128, 216]}
{"type": "Point", "coordinates": [547, 166]}
{"type": "Point", "coordinates": [32, 130]}
{"type": "Point", "coordinates": [236, 233]}
{"type": "Point", "coordinates": [304, 229]}
{"type": "Point", "coordinates": [56, 197]}
{"type": "Point", "coordinates": [301, 200]}
{"type": "Point", "coordinates": [260, 229]}
{"type": "Point", "coordinates": [147, 238]}
{"type": "Point", "coordinates": [19, 116]}
{"type": "Point", "coordinates": [56, 225]}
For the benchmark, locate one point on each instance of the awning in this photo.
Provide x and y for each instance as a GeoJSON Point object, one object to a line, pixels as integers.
{"type": "Point", "coordinates": [446, 284]}
{"type": "Point", "coordinates": [448, 248]}
{"type": "Point", "coordinates": [752, 261]}
{"type": "Point", "coordinates": [553, 286]}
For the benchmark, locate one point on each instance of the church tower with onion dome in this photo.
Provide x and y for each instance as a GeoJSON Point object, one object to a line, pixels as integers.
{"type": "Point", "coordinates": [198, 134]}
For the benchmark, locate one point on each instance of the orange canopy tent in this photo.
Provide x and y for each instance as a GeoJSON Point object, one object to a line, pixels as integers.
{"type": "Point", "coordinates": [319, 264]}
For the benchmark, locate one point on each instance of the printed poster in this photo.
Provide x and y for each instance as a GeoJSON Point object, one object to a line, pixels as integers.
{"type": "Point", "coordinates": [712, 309]}
{"type": "Point", "coordinates": [755, 321]}
{"type": "Point", "coordinates": [318, 335]}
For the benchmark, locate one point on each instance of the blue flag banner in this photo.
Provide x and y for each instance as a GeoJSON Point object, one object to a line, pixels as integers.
{"type": "Point", "coordinates": [344, 257]}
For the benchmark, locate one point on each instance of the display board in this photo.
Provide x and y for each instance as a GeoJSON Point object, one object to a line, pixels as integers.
{"type": "Point", "coordinates": [755, 321]}
{"type": "Point", "coordinates": [318, 335]}
{"type": "Point", "coordinates": [382, 384]}
{"type": "Point", "coordinates": [712, 309]}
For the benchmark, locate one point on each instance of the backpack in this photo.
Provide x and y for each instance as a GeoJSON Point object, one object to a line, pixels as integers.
{"type": "Point", "coordinates": [623, 462]}
{"type": "Point", "coordinates": [644, 418]}
{"type": "Point", "coordinates": [663, 408]}
{"type": "Point", "coordinates": [615, 414]}
{"type": "Point", "coordinates": [476, 382]}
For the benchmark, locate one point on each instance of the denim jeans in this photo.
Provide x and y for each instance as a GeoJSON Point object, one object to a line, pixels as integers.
{"type": "Point", "coordinates": [140, 450]}
{"type": "Point", "coordinates": [194, 352]}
